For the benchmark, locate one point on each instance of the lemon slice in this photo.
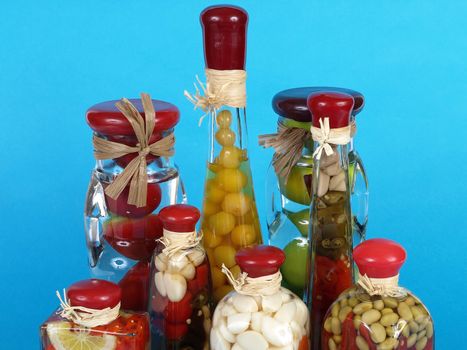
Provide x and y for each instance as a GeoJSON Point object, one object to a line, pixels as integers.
{"type": "Point", "coordinates": [63, 338]}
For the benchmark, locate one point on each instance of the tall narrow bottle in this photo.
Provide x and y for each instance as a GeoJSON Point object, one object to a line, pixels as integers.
{"type": "Point", "coordinates": [229, 216]}
{"type": "Point", "coordinates": [330, 264]}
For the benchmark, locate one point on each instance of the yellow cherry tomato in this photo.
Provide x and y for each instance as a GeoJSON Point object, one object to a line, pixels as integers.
{"type": "Point", "coordinates": [214, 193]}
{"type": "Point", "coordinates": [224, 119]}
{"type": "Point", "coordinates": [210, 240]}
{"type": "Point", "coordinates": [224, 254]}
{"type": "Point", "coordinates": [225, 137]}
{"type": "Point", "coordinates": [231, 180]}
{"type": "Point", "coordinates": [230, 157]}
{"type": "Point", "coordinates": [221, 223]}
{"type": "Point", "coordinates": [243, 235]}
{"type": "Point", "coordinates": [218, 277]}
{"type": "Point", "coordinates": [236, 203]}
{"type": "Point", "coordinates": [210, 208]}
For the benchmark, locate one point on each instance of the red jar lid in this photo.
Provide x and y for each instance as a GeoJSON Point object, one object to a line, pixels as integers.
{"type": "Point", "coordinates": [179, 217]}
{"type": "Point", "coordinates": [224, 32]}
{"type": "Point", "coordinates": [260, 260]}
{"type": "Point", "coordinates": [379, 258]}
{"type": "Point", "coordinates": [104, 118]}
{"type": "Point", "coordinates": [94, 294]}
{"type": "Point", "coordinates": [292, 103]}
{"type": "Point", "coordinates": [336, 106]}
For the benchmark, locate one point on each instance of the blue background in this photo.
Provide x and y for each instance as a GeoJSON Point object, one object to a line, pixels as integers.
{"type": "Point", "coordinates": [59, 57]}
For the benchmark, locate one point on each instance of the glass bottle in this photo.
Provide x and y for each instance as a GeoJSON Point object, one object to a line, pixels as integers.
{"type": "Point", "coordinates": [330, 255]}
{"type": "Point", "coordinates": [229, 216]}
{"type": "Point", "coordinates": [288, 198]}
{"type": "Point", "coordinates": [376, 313]}
{"type": "Point", "coordinates": [268, 317]}
{"type": "Point", "coordinates": [180, 307]}
{"type": "Point", "coordinates": [121, 237]}
{"type": "Point", "coordinates": [121, 330]}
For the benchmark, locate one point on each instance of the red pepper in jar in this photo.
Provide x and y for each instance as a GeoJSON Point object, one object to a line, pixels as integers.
{"type": "Point", "coordinates": [135, 287]}
{"type": "Point", "coordinates": [349, 334]}
{"type": "Point", "coordinates": [179, 312]}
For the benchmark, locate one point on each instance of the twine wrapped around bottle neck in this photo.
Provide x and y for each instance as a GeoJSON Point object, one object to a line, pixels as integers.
{"type": "Point", "coordinates": [259, 286]}
{"type": "Point", "coordinates": [386, 287]}
{"type": "Point", "coordinates": [135, 172]}
{"type": "Point", "coordinates": [222, 88]}
{"type": "Point", "coordinates": [326, 137]}
{"type": "Point", "coordinates": [175, 242]}
{"type": "Point", "coordinates": [84, 316]}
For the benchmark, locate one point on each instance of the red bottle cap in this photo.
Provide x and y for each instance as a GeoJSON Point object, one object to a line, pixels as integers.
{"type": "Point", "coordinates": [260, 260]}
{"type": "Point", "coordinates": [94, 294]}
{"type": "Point", "coordinates": [104, 118]}
{"type": "Point", "coordinates": [179, 217]}
{"type": "Point", "coordinates": [292, 103]}
{"type": "Point", "coordinates": [379, 258]}
{"type": "Point", "coordinates": [224, 32]}
{"type": "Point", "coordinates": [334, 105]}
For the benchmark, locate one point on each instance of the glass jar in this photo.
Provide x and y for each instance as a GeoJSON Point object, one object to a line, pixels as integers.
{"type": "Point", "coordinates": [260, 314]}
{"type": "Point", "coordinates": [376, 313]}
{"type": "Point", "coordinates": [288, 194]}
{"type": "Point", "coordinates": [229, 217]}
{"type": "Point", "coordinates": [180, 307]}
{"type": "Point", "coordinates": [72, 327]}
{"type": "Point", "coordinates": [330, 254]}
{"type": "Point", "coordinates": [121, 236]}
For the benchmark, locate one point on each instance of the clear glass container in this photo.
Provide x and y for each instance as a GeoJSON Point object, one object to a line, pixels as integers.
{"type": "Point", "coordinates": [330, 255]}
{"type": "Point", "coordinates": [229, 217]}
{"type": "Point", "coordinates": [288, 199]}
{"type": "Point", "coordinates": [121, 237]}
{"type": "Point", "coordinates": [276, 320]}
{"type": "Point", "coordinates": [128, 331]}
{"type": "Point", "coordinates": [362, 320]}
{"type": "Point", "coordinates": [180, 307]}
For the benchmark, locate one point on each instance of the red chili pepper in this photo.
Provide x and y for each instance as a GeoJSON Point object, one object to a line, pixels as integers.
{"type": "Point", "coordinates": [174, 331]}
{"type": "Point", "coordinates": [201, 279]}
{"type": "Point", "coordinates": [349, 334]}
{"type": "Point", "coordinates": [365, 333]}
{"type": "Point", "coordinates": [325, 340]}
{"type": "Point", "coordinates": [180, 311]}
{"type": "Point", "coordinates": [304, 345]}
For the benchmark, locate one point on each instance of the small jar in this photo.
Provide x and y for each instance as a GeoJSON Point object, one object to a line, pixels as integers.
{"type": "Point", "coordinates": [120, 231]}
{"type": "Point", "coordinates": [259, 314]}
{"type": "Point", "coordinates": [376, 313]}
{"type": "Point", "coordinates": [90, 318]}
{"type": "Point", "coordinates": [288, 194]}
{"type": "Point", "coordinates": [180, 287]}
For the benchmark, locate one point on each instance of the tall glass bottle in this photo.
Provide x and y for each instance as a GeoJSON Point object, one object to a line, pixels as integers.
{"type": "Point", "coordinates": [229, 216]}
{"type": "Point", "coordinates": [330, 264]}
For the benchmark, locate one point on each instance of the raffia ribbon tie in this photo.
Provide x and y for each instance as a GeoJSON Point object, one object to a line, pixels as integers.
{"type": "Point", "coordinates": [84, 316]}
{"type": "Point", "coordinates": [386, 287]}
{"type": "Point", "coordinates": [222, 88]}
{"type": "Point", "coordinates": [135, 173]}
{"type": "Point", "coordinates": [288, 144]}
{"type": "Point", "coordinates": [326, 137]}
{"type": "Point", "coordinates": [260, 286]}
{"type": "Point", "coordinates": [175, 242]}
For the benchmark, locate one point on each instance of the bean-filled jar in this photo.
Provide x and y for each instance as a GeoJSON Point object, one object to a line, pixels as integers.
{"type": "Point", "coordinates": [180, 306]}
{"type": "Point", "coordinates": [259, 314]}
{"type": "Point", "coordinates": [376, 313]}
{"type": "Point", "coordinates": [330, 263]}
{"type": "Point", "coordinates": [134, 176]}
{"type": "Point", "coordinates": [229, 216]}
{"type": "Point", "coordinates": [90, 317]}
{"type": "Point", "coordinates": [288, 193]}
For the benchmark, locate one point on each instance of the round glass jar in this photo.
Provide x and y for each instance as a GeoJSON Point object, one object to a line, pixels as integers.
{"type": "Point", "coordinates": [288, 197]}
{"type": "Point", "coordinates": [271, 317]}
{"type": "Point", "coordinates": [376, 313]}
{"type": "Point", "coordinates": [121, 236]}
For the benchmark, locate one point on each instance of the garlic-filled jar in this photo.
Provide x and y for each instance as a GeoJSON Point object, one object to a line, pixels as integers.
{"type": "Point", "coordinates": [90, 317]}
{"type": "Point", "coordinates": [376, 313]}
{"type": "Point", "coordinates": [180, 306]}
{"type": "Point", "coordinates": [259, 314]}
{"type": "Point", "coordinates": [229, 217]}
{"type": "Point", "coordinates": [133, 178]}
{"type": "Point", "coordinates": [288, 193]}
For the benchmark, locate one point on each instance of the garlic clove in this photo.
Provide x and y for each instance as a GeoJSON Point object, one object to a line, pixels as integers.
{"type": "Point", "coordinates": [252, 340]}
{"type": "Point", "coordinates": [217, 341]}
{"type": "Point", "coordinates": [257, 320]}
{"type": "Point", "coordinates": [286, 313]}
{"type": "Point", "coordinates": [323, 184]}
{"type": "Point", "coordinates": [244, 303]}
{"type": "Point", "coordinates": [238, 323]}
{"type": "Point", "coordinates": [337, 183]}
{"type": "Point", "coordinates": [175, 286]}
{"type": "Point", "coordinates": [160, 263]}
{"type": "Point", "coordinates": [188, 271]}
{"type": "Point", "coordinates": [197, 256]}
{"type": "Point", "coordinates": [160, 285]}
{"type": "Point", "coordinates": [225, 332]}
{"type": "Point", "coordinates": [272, 303]}
{"type": "Point", "coordinates": [277, 333]}
{"type": "Point", "coordinates": [301, 314]}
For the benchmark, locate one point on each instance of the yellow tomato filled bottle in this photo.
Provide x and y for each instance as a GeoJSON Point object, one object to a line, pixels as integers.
{"type": "Point", "coordinates": [229, 216]}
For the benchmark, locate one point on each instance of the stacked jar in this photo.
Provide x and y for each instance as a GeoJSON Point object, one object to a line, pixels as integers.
{"type": "Point", "coordinates": [290, 178]}
{"type": "Point", "coordinates": [260, 314]}
{"type": "Point", "coordinates": [376, 313]}
{"type": "Point", "coordinates": [134, 176]}
{"type": "Point", "coordinates": [90, 318]}
{"type": "Point", "coordinates": [180, 307]}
